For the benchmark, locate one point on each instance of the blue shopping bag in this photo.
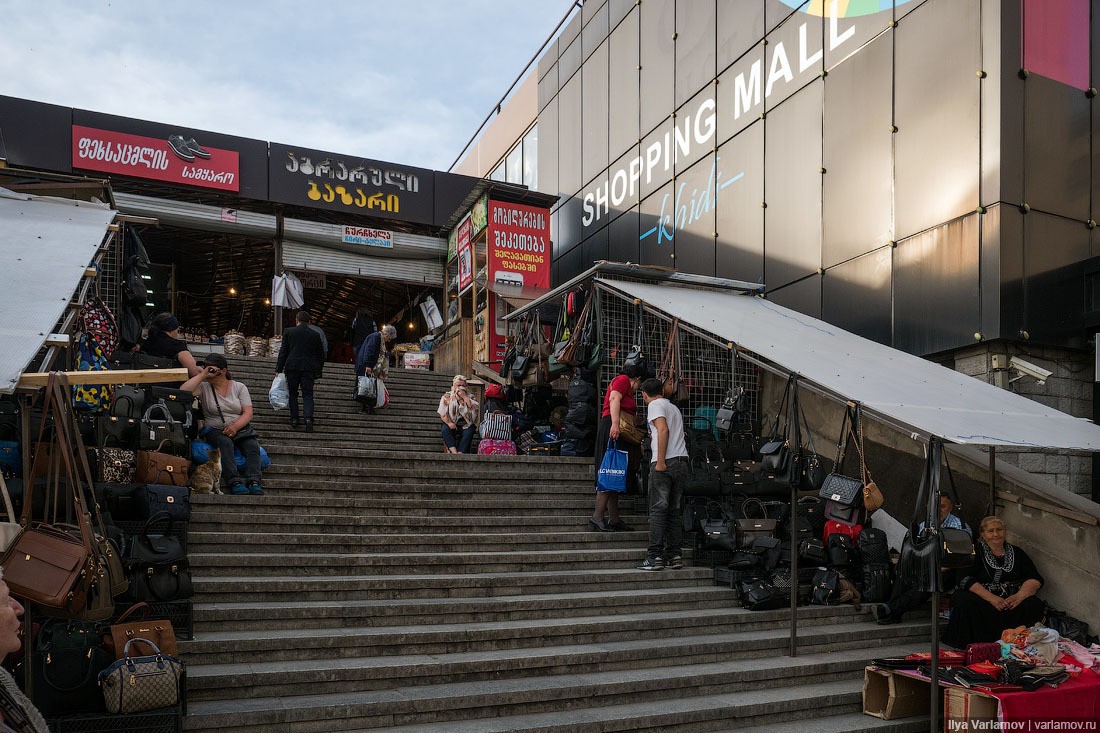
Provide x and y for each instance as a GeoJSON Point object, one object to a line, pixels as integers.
{"type": "Point", "coordinates": [612, 473]}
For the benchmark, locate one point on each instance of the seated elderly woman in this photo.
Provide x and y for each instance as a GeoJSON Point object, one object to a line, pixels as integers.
{"type": "Point", "coordinates": [459, 412]}
{"type": "Point", "coordinates": [997, 592]}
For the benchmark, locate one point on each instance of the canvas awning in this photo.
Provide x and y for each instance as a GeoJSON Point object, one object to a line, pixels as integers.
{"type": "Point", "coordinates": [45, 247]}
{"type": "Point", "coordinates": [904, 388]}
{"type": "Point", "coordinates": [515, 296]}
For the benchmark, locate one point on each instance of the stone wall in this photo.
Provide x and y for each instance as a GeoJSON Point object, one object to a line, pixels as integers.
{"type": "Point", "coordinates": [1069, 389]}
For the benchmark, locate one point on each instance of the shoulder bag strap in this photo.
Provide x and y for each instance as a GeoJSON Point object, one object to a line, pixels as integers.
{"type": "Point", "coordinates": [951, 480]}
{"type": "Point", "coordinates": [781, 412]}
{"type": "Point", "coordinates": [7, 500]}
{"type": "Point", "coordinates": [73, 479]}
{"type": "Point", "coordinates": [857, 438]}
{"type": "Point", "coordinates": [82, 452]}
{"type": "Point", "coordinates": [841, 443]}
{"type": "Point", "coordinates": [214, 391]}
{"type": "Point", "coordinates": [579, 332]}
{"type": "Point", "coordinates": [665, 370]}
{"type": "Point", "coordinates": [923, 493]}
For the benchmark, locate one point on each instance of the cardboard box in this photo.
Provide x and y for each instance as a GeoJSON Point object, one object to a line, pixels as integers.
{"type": "Point", "coordinates": [962, 707]}
{"type": "Point", "coordinates": [891, 696]}
{"type": "Point", "coordinates": [417, 360]}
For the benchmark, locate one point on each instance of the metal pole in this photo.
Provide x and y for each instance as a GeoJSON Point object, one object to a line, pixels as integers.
{"type": "Point", "coordinates": [796, 455]}
{"type": "Point", "coordinates": [992, 481]}
{"type": "Point", "coordinates": [935, 448]}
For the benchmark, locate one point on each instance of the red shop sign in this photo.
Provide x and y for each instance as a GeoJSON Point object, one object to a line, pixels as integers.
{"type": "Point", "coordinates": [519, 244]}
{"type": "Point", "coordinates": [179, 159]}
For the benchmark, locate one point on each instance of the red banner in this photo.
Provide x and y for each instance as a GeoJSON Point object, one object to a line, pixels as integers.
{"type": "Point", "coordinates": [175, 160]}
{"type": "Point", "coordinates": [519, 244]}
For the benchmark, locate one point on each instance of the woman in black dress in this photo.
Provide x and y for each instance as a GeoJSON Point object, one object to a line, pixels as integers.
{"type": "Point", "coordinates": [997, 593]}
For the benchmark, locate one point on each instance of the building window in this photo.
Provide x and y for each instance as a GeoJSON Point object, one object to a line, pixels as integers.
{"type": "Point", "coordinates": [513, 165]}
{"type": "Point", "coordinates": [498, 173]}
{"type": "Point", "coordinates": [531, 158]}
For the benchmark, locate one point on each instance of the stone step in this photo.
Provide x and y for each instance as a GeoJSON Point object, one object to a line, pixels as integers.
{"type": "Point", "coordinates": [338, 614]}
{"type": "Point", "coordinates": [209, 565]}
{"type": "Point", "coordinates": [693, 635]}
{"type": "Point", "coordinates": [298, 586]}
{"type": "Point", "coordinates": [364, 455]}
{"type": "Point", "coordinates": [366, 542]}
{"type": "Point", "coordinates": [404, 472]}
{"type": "Point", "coordinates": [631, 699]}
{"type": "Point", "coordinates": [577, 495]}
{"type": "Point", "coordinates": [493, 521]}
{"type": "Point", "coordinates": [301, 501]}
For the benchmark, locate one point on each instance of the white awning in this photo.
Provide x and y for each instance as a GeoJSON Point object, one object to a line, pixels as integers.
{"type": "Point", "coordinates": [911, 391]}
{"type": "Point", "coordinates": [45, 246]}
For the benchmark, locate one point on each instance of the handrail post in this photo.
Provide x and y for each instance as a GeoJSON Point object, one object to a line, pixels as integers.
{"type": "Point", "coordinates": [795, 452]}
{"type": "Point", "coordinates": [935, 447]}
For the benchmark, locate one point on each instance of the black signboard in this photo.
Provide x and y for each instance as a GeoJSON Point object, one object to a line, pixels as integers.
{"type": "Point", "coordinates": [354, 185]}
{"type": "Point", "coordinates": [35, 135]}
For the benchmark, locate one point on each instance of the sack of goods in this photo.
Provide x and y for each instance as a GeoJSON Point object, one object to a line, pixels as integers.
{"type": "Point", "coordinates": [137, 684]}
{"type": "Point", "coordinates": [279, 394]}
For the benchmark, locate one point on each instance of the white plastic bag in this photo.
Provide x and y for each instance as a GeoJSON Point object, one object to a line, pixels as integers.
{"type": "Point", "coordinates": [367, 389]}
{"type": "Point", "coordinates": [383, 397]}
{"type": "Point", "coordinates": [279, 396]}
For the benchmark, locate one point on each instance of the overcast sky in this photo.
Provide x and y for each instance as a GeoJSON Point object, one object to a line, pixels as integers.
{"type": "Point", "coordinates": [406, 81]}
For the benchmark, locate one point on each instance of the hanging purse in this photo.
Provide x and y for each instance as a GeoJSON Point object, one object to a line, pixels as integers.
{"type": "Point", "coordinates": [673, 388]}
{"type": "Point", "coordinates": [136, 684]}
{"type": "Point", "coordinates": [153, 433]}
{"type": "Point", "coordinates": [917, 549]}
{"type": "Point", "coordinates": [775, 454]}
{"type": "Point", "coordinates": [157, 631]}
{"type": "Point", "coordinates": [956, 546]}
{"type": "Point", "coordinates": [838, 488]}
{"type": "Point", "coordinates": [575, 353]}
{"type": "Point", "coordinates": [157, 467]}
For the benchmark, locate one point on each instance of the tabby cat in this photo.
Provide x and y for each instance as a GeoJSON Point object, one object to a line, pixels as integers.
{"type": "Point", "coordinates": [207, 478]}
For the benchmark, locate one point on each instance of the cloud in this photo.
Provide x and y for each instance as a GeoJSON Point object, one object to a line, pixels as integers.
{"type": "Point", "coordinates": [406, 83]}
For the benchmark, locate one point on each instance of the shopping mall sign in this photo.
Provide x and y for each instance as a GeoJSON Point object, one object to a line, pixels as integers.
{"type": "Point", "coordinates": [780, 69]}
{"type": "Point", "coordinates": [178, 158]}
{"type": "Point", "coordinates": [519, 244]}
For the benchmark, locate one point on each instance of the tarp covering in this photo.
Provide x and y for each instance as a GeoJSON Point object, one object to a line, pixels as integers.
{"type": "Point", "coordinates": [45, 246]}
{"type": "Point", "coordinates": [912, 391]}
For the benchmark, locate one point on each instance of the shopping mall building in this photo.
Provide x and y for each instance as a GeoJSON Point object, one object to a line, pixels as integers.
{"type": "Point", "coordinates": [919, 172]}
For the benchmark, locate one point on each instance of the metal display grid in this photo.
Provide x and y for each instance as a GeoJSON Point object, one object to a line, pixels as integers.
{"type": "Point", "coordinates": [710, 366]}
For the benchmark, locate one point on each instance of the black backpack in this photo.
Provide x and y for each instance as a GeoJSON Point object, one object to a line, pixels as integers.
{"type": "Point", "coordinates": [762, 595]}
{"type": "Point", "coordinates": [874, 552]}
{"type": "Point", "coordinates": [841, 551]}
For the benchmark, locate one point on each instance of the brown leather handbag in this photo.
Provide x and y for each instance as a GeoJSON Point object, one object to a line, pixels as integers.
{"type": "Point", "coordinates": [629, 432]}
{"type": "Point", "coordinates": [156, 467]}
{"type": "Point", "coordinates": [157, 631]}
{"type": "Point", "coordinates": [673, 389]}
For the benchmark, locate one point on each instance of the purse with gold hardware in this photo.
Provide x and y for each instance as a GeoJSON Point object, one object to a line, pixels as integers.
{"type": "Point", "coordinates": [66, 661]}
{"type": "Point", "coordinates": [157, 631]}
{"type": "Point", "coordinates": [174, 501]}
{"type": "Point", "coordinates": [157, 565]}
{"type": "Point", "coordinates": [157, 467]}
{"type": "Point", "coordinates": [135, 684]}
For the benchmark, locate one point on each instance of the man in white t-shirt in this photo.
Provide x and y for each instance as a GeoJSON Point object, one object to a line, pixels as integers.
{"type": "Point", "coordinates": [666, 479]}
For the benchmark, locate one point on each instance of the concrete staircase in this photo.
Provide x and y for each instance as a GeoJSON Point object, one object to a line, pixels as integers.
{"type": "Point", "coordinates": [382, 584]}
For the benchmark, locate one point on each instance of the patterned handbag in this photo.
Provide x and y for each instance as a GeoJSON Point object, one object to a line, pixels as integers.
{"type": "Point", "coordinates": [497, 425]}
{"type": "Point", "coordinates": [96, 320]}
{"type": "Point", "coordinates": [90, 357]}
{"type": "Point", "coordinates": [115, 465]}
{"type": "Point", "coordinates": [491, 447]}
{"type": "Point", "coordinates": [137, 684]}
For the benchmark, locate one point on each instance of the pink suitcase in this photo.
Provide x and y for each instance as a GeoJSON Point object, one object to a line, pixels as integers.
{"type": "Point", "coordinates": [489, 447]}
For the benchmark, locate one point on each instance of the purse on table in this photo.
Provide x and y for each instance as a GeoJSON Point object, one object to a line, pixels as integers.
{"type": "Point", "coordinates": [749, 529]}
{"type": "Point", "coordinates": [168, 499]}
{"type": "Point", "coordinates": [115, 465]}
{"type": "Point", "coordinates": [151, 635]}
{"type": "Point", "coordinates": [153, 433]}
{"type": "Point", "coordinates": [68, 657]}
{"type": "Point", "coordinates": [136, 684]}
{"type": "Point", "coordinates": [157, 565]}
{"type": "Point", "coordinates": [157, 467]}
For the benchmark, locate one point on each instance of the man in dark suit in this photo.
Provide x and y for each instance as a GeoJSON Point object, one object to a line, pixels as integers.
{"type": "Point", "coordinates": [301, 358]}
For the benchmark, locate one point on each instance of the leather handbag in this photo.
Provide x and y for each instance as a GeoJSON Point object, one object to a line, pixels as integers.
{"type": "Point", "coordinates": [956, 546]}
{"type": "Point", "coordinates": [578, 350]}
{"type": "Point", "coordinates": [112, 431]}
{"type": "Point", "coordinates": [157, 631]}
{"type": "Point", "coordinates": [629, 432]}
{"type": "Point", "coordinates": [67, 659]}
{"type": "Point", "coordinates": [157, 565]}
{"type": "Point", "coordinates": [178, 401]}
{"type": "Point", "coordinates": [837, 487]}
{"type": "Point", "coordinates": [812, 550]}
{"type": "Point", "coordinates": [847, 514]}
{"type": "Point", "coordinates": [919, 546]}
{"type": "Point", "coordinates": [749, 529]}
{"type": "Point", "coordinates": [115, 465]}
{"type": "Point", "coordinates": [718, 530]}
{"type": "Point", "coordinates": [174, 502]}
{"type": "Point", "coordinates": [129, 402]}
{"type": "Point", "coordinates": [154, 432]}
{"type": "Point", "coordinates": [673, 388]}
{"type": "Point", "coordinates": [157, 467]}
{"type": "Point", "coordinates": [136, 684]}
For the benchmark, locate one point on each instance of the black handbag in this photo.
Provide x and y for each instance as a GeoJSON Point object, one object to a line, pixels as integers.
{"type": "Point", "coordinates": [762, 595]}
{"type": "Point", "coordinates": [178, 401]}
{"type": "Point", "coordinates": [157, 566]}
{"type": "Point", "coordinates": [840, 550]}
{"type": "Point", "coordinates": [718, 532]}
{"type": "Point", "coordinates": [775, 452]}
{"type": "Point", "coordinates": [68, 657]}
{"type": "Point", "coordinates": [812, 550]}
{"type": "Point", "coordinates": [837, 487]}
{"type": "Point", "coordinates": [704, 478]}
{"type": "Point", "coordinates": [956, 546]}
{"type": "Point", "coordinates": [173, 502]}
{"type": "Point", "coordinates": [129, 402]}
{"type": "Point", "coordinates": [112, 431]}
{"type": "Point", "coordinates": [917, 549]}
{"type": "Point", "coordinates": [153, 432]}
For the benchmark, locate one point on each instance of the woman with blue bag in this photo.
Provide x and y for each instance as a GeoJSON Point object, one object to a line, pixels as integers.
{"type": "Point", "coordinates": [619, 407]}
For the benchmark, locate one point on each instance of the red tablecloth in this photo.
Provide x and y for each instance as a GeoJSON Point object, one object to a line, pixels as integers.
{"type": "Point", "coordinates": [1078, 698]}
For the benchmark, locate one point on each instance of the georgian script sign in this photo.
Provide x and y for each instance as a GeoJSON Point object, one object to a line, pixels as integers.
{"type": "Point", "coordinates": [170, 160]}
{"type": "Point", "coordinates": [352, 185]}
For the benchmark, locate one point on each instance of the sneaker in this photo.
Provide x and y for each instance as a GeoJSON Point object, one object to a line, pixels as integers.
{"type": "Point", "coordinates": [674, 563]}
{"type": "Point", "coordinates": [618, 526]}
{"type": "Point", "coordinates": [255, 488]}
{"type": "Point", "coordinates": [652, 563]}
{"type": "Point", "coordinates": [194, 148]}
{"type": "Point", "coordinates": [179, 147]}
{"type": "Point", "coordinates": [238, 489]}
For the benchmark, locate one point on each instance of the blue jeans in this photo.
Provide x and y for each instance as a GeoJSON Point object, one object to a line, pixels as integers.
{"type": "Point", "coordinates": [250, 447]}
{"type": "Point", "coordinates": [666, 489]}
{"type": "Point", "coordinates": [459, 436]}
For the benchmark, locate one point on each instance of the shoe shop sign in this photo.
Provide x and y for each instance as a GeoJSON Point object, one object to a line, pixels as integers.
{"type": "Point", "coordinates": [176, 159]}
{"type": "Point", "coordinates": [356, 185]}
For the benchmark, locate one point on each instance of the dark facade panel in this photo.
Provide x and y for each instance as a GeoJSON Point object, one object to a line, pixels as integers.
{"type": "Point", "coordinates": [569, 137]}
{"type": "Point", "coordinates": [657, 228]}
{"type": "Point", "coordinates": [658, 23]}
{"type": "Point", "coordinates": [548, 148]}
{"type": "Point", "coordinates": [623, 88]}
{"type": "Point", "coordinates": [1053, 278]}
{"type": "Point", "coordinates": [1010, 117]}
{"type": "Point", "coordinates": [623, 237]}
{"type": "Point", "coordinates": [792, 188]}
{"type": "Point", "coordinates": [36, 135]}
{"type": "Point", "coordinates": [739, 218]}
{"type": "Point", "coordinates": [1057, 159]}
{"type": "Point", "coordinates": [695, 49]}
{"type": "Point", "coordinates": [858, 154]}
{"type": "Point", "coordinates": [654, 147]}
{"type": "Point", "coordinates": [595, 248]}
{"type": "Point", "coordinates": [694, 218]}
{"type": "Point", "coordinates": [786, 68]}
{"type": "Point", "coordinates": [991, 96]}
{"type": "Point", "coordinates": [696, 130]}
{"type": "Point", "coordinates": [856, 295]}
{"type": "Point", "coordinates": [594, 114]}
{"type": "Point", "coordinates": [571, 264]}
{"type": "Point", "coordinates": [1005, 226]}
{"type": "Point", "coordinates": [803, 296]}
{"type": "Point", "coordinates": [740, 26]}
{"type": "Point", "coordinates": [569, 226]}
{"type": "Point", "coordinates": [937, 98]}
{"type": "Point", "coordinates": [741, 93]}
{"type": "Point", "coordinates": [936, 298]}
{"type": "Point", "coordinates": [1095, 83]}
{"type": "Point", "coordinates": [451, 189]}
{"type": "Point", "coordinates": [595, 27]}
